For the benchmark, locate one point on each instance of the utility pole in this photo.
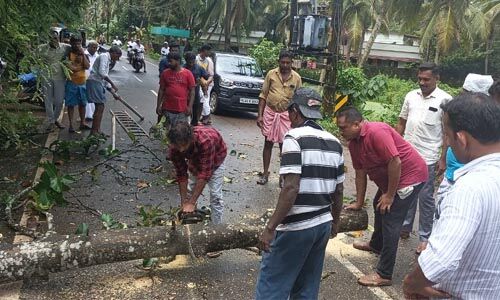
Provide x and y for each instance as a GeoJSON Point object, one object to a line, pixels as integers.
{"type": "Point", "coordinates": [330, 86]}
{"type": "Point", "coordinates": [293, 13]}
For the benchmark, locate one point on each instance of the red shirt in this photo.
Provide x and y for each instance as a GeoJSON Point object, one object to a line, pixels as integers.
{"type": "Point", "coordinates": [204, 157]}
{"type": "Point", "coordinates": [176, 87]}
{"type": "Point", "coordinates": [377, 144]}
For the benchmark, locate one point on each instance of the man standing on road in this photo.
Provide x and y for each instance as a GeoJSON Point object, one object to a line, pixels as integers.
{"type": "Point", "coordinates": [462, 259]}
{"type": "Point", "coordinates": [76, 91]}
{"type": "Point", "coordinates": [198, 73]}
{"type": "Point", "coordinates": [399, 172]}
{"type": "Point", "coordinates": [202, 151]}
{"type": "Point", "coordinates": [420, 121]}
{"type": "Point", "coordinates": [277, 90]}
{"type": "Point", "coordinates": [176, 92]}
{"type": "Point", "coordinates": [53, 84]}
{"type": "Point", "coordinates": [308, 209]}
{"type": "Point", "coordinates": [203, 59]}
{"type": "Point", "coordinates": [164, 50]}
{"type": "Point", "coordinates": [91, 54]}
{"type": "Point", "coordinates": [163, 65]}
{"type": "Point", "coordinates": [96, 84]}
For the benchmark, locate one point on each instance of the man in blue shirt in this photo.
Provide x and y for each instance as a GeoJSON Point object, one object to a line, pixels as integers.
{"type": "Point", "coordinates": [174, 48]}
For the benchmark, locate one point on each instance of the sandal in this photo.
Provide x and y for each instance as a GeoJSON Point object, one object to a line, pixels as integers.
{"type": "Point", "coordinates": [263, 179]}
{"type": "Point", "coordinates": [85, 127]}
{"type": "Point", "coordinates": [374, 280]}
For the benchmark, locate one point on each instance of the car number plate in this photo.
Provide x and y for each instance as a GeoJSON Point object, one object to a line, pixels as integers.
{"type": "Point", "coordinates": [249, 100]}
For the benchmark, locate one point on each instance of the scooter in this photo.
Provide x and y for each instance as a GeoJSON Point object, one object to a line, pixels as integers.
{"type": "Point", "coordinates": [137, 60]}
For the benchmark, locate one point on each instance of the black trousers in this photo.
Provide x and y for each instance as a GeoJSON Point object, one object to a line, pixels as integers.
{"type": "Point", "coordinates": [387, 227]}
{"type": "Point", "coordinates": [196, 107]}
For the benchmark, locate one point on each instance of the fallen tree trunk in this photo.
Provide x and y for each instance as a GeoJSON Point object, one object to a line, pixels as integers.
{"type": "Point", "coordinates": [58, 253]}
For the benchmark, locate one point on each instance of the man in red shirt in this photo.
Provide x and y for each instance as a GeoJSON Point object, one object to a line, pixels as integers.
{"type": "Point", "coordinates": [176, 92]}
{"type": "Point", "coordinates": [202, 151]}
{"type": "Point", "coordinates": [399, 172]}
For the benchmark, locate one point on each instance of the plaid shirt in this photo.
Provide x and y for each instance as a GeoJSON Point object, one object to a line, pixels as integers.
{"type": "Point", "coordinates": [205, 155]}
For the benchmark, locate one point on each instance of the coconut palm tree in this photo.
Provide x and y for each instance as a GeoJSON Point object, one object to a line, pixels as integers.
{"type": "Point", "coordinates": [446, 21]}
{"type": "Point", "coordinates": [356, 20]}
{"type": "Point", "coordinates": [491, 10]}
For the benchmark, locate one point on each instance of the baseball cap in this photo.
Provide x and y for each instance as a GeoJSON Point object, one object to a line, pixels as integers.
{"type": "Point", "coordinates": [309, 102]}
{"type": "Point", "coordinates": [476, 83]}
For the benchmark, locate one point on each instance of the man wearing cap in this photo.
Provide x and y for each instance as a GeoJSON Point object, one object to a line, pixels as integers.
{"type": "Point", "coordinates": [421, 124]}
{"type": "Point", "coordinates": [473, 83]}
{"type": "Point", "coordinates": [380, 153]}
{"type": "Point", "coordinates": [309, 205]}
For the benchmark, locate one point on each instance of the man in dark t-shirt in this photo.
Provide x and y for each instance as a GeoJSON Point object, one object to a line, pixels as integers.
{"type": "Point", "coordinates": [176, 92]}
{"type": "Point", "coordinates": [198, 73]}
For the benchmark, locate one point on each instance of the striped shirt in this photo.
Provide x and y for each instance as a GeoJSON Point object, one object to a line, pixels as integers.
{"type": "Point", "coordinates": [463, 254]}
{"type": "Point", "coordinates": [317, 156]}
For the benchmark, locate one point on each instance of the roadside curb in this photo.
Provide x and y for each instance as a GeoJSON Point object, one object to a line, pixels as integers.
{"type": "Point", "coordinates": [12, 291]}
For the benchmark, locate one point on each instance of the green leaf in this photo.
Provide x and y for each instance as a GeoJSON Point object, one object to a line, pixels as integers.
{"type": "Point", "coordinates": [83, 229]}
{"type": "Point", "coordinates": [56, 184]}
{"type": "Point", "coordinates": [149, 262]}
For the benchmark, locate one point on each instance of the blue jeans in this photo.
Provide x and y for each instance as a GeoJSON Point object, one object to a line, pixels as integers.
{"type": "Point", "coordinates": [292, 270]}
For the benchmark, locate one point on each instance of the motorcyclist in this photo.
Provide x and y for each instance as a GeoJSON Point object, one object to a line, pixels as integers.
{"type": "Point", "coordinates": [130, 53]}
{"type": "Point", "coordinates": [139, 48]}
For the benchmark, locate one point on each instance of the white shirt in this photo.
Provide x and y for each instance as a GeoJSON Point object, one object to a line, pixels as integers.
{"type": "Point", "coordinates": [140, 50]}
{"type": "Point", "coordinates": [100, 68]}
{"type": "Point", "coordinates": [463, 254]}
{"type": "Point", "coordinates": [117, 42]}
{"type": "Point", "coordinates": [424, 122]}
{"type": "Point", "coordinates": [92, 59]}
{"type": "Point", "coordinates": [165, 51]}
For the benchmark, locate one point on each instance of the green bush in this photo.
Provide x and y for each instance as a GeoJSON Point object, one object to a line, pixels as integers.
{"type": "Point", "coordinates": [16, 128]}
{"type": "Point", "coordinates": [266, 53]}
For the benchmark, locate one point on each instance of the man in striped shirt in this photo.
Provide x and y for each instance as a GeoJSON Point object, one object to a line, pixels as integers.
{"type": "Point", "coordinates": [308, 209]}
{"type": "Point", "coordinates": [462, 259]}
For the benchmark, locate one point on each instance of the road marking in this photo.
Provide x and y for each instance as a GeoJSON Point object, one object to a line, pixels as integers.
{"type": "Point", "coordinates": [334, 248]}
{"type": "Point", "coordinates": [156, 65]}
{"type": "Point", "coordinates": [154, 93]}
{"type": "Point", "coordinates": [125, 68]}
{"type": "Point", "coordinates": [140, 80]}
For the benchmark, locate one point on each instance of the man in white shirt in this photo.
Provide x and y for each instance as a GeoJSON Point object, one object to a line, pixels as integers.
{"type": "Point", "coordinates": [203, 59]}
{"type": "Point", "coordinates": [420, 122]}
{"type": "Point", "coordinates": [462, 259]}
{"type": "Point", "coordinates": [96, 84]}
{"type": "Point", "coordinates": [140, 52]}
{"type": "Point", "coordinates": [164, 50]}
{"type": "Point", "coordinates": [91, 53]}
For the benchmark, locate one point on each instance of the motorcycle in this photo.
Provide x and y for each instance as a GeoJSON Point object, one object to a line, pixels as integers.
{"type": "Point", "coordinates": [137, 60]}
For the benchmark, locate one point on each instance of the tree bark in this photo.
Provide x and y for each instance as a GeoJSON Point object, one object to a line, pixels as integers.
{"type": "Point", "coordinates": [58, 253]}
{"type": "Point", "coordinates": [371, 41]}
{"type": "Point", "coordinates": [227, 26]}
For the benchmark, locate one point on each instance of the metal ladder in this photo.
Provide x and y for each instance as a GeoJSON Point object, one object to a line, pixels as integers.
{"type": "Point", "coordinates": [128, 124]}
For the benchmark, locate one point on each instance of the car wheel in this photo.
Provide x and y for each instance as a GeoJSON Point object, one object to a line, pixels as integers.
{"type": "Point", "coordinates": [214, 103]}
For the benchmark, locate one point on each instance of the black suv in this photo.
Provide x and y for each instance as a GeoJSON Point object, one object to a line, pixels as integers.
{"type": "Point", "coordinates": [237, 83]}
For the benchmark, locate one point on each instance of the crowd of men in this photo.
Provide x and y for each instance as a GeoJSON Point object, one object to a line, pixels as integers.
{"type": "Point", "coordinates": [77, 77]}
{"type": "Point", "coordinates": [459, 138]}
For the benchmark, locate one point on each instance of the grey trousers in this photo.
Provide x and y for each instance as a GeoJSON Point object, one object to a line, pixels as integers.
{"type": "Point", "coordinates": [385, 237]}
{"type": "Point", "coordinates": [426, 205]}
{"type": "Point", "coordinates": [215, 186]}
{"type": "Point", "coordinates": [53, 90]}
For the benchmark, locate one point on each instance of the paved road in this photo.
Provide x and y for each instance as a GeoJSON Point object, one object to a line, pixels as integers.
{"type": "Point", "coordinates": [231, 276]}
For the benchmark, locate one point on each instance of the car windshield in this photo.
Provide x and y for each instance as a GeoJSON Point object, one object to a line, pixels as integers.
{"type": "Point", "coordinates": [238, 65]}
